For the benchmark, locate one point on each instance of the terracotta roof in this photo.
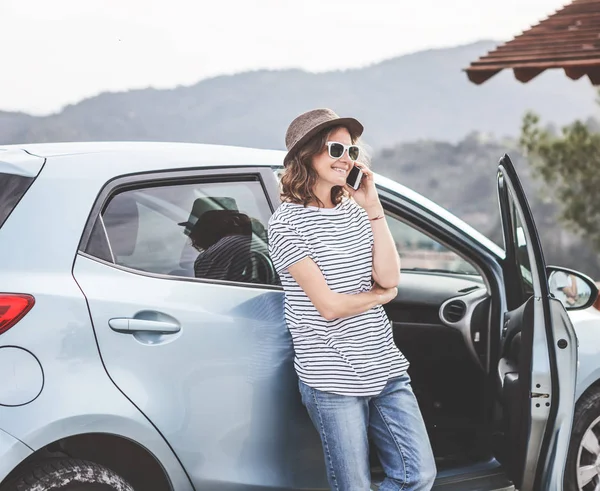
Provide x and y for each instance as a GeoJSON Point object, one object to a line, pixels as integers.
{"type": "Point", "coordinates": [568, 39]}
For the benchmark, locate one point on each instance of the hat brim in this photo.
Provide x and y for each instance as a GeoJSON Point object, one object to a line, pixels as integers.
{"type": "Point", "coordinates": [354, 126]}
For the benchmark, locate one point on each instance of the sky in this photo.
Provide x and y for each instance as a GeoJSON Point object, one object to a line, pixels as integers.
{"type": "Point", "coordinates": [59, 52]}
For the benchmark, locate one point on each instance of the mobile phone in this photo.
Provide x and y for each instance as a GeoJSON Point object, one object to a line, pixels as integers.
{"type": "Point", "coordinates": [354, 177]}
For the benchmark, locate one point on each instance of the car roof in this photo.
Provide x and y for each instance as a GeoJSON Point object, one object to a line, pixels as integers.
{"type": "Point", "coordinates": [197, 154]}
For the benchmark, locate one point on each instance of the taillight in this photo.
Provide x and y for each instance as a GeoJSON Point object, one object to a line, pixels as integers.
{"type": "Point", "coordinates": [13, 307]}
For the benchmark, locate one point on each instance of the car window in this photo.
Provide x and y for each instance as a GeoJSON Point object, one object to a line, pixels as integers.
{"type": "Point", "coordinates": [207, 230]}
{"type": "Point", "coordinates": [522, 249]}
{"type": "Point", "coordinates": [12, 189]}
{"type": "Point", "coordinates": [419, 252]}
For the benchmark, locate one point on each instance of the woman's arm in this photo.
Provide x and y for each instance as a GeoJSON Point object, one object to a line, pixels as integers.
{"type": "Point", "coordinates": [332, 305]}
{"type": "Point", "coordinates": [386, 261]}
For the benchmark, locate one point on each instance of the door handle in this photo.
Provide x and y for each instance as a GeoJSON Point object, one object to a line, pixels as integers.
{"type": "Point", "coordinates": [128, 325]}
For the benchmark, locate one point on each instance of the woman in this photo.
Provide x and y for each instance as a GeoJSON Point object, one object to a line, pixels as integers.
{"type": "Point", "coordinates": [338, 265]}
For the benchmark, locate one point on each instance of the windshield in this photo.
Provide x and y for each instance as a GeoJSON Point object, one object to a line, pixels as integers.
{"type": "Point", "coordinates": [441, 212]}
{"type": "Point", "coordinates": [421, 253]}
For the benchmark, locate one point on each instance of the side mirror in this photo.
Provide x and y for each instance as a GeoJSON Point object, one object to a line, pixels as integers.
{"type": "Point", "coordinates": [575, 290]}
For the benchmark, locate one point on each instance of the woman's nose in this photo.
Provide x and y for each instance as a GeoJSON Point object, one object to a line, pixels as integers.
{"type": "Point", "coordinates": [345, 158]}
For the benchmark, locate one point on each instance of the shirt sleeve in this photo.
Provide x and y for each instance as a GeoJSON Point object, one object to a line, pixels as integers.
{"type": "Point", "coordinates": [286, 246]}
{"type": "Point", "coordinates": [559, 280]}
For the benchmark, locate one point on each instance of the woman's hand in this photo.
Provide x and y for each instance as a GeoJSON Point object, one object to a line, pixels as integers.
{"type": "Point", "coordinates": [385, 295]}
{"type": "Point", "coordinates": [332, 305]}
{"type": "Point", "coordinates": [366, 195]}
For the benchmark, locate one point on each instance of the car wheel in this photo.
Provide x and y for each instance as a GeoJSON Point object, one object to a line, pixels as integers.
{"type": "Point", "coordinates": [66, 475]}
{"type": "Point", "coordinates": [582, 470]}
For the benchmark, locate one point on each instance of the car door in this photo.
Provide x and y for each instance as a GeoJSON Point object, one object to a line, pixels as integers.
{"type": "Point", "coordinates": [188, 315]}
{"type": "Point", "coordinates": [538, 351]}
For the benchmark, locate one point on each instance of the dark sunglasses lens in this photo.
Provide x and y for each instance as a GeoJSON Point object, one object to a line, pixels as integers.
{"type": "Point", "coordinates": [336, 150]}
{"type": "Point", "coordinates": [353, 152]}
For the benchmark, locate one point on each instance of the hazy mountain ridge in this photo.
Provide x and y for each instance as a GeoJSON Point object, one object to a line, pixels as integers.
{"type": "Point", "coordinates": [424, 95]}
{"type": "Point", "coordinates": [426, 122]}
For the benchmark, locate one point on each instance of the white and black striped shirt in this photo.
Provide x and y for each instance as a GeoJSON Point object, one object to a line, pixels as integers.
{"type": "Point", "coordinates": [354, 355]}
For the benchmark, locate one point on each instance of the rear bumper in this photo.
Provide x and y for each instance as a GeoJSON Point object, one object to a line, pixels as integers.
{"type": "Point", "coordinates": [12, 453]}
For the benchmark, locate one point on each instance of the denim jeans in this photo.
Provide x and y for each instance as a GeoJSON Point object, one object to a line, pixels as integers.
{"type": "Point", "coordinates": [391, 420]}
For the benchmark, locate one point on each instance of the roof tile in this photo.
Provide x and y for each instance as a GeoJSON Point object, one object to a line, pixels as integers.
{"type": "Point", "coordinates": [568, 39]}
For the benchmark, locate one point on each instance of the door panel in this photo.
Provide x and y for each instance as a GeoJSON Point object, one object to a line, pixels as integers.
{"type": "Point", "coordinates": [532, 372]}
{"type": "Point", "coordinates": [222, 390]}
{"type": "Point", "coordinates": [514, 371]}
{"type": "Point", "coordinates": [207, 358]}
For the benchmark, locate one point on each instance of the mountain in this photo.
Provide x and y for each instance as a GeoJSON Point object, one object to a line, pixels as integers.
{"type": "Point", "coordinates": [461, 177]}
{"type": "Point", "coordinates": [424, 95]}
{"type": "Point", "coordinates": [13, 125]}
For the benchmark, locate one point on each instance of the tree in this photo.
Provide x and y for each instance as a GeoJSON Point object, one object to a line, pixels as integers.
{"type": "Point", "coordinates": [569, 164]}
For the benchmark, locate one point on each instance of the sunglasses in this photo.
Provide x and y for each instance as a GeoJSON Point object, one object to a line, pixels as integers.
{"type": "Point", "coordinates": [336, 150]}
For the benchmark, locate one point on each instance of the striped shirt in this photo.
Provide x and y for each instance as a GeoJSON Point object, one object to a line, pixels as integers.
{"type": "Point", "coordinates": [354, 355]}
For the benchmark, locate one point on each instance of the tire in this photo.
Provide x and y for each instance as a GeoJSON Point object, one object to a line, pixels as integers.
{"type": "Point", "coordinates": [66, 474]}
{"type": "Point", "coordinates": [584, 446]}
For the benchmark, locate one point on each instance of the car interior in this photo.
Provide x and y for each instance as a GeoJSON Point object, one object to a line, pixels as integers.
{"type": "Point", "coordinates": [440, 326]}
{"type": "Point", "coordinates": [465, 372]}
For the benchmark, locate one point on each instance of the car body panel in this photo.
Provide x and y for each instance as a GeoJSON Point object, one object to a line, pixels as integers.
{"type": "Point", "coordinates": [224, 391]}
{"type": "Point", "coordinates": [58, 331]}
{"type": "Point", "coordinates": [18, 162]}
{"type": "Point", "coordinates": [587, 326]}
{"type": "Point", "coordinates": [13, 452]}
{"type": "Point", "coordinates": [558, 439]}
{"type": "Point", "coordinates": [435, 209]}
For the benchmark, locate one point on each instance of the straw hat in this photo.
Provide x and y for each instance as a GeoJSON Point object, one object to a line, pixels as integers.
{"type": "Point", "coordinates": [312, 122]}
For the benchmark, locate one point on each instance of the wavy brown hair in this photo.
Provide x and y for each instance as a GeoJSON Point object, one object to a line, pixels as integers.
{"type": "Point", "coordinates": [299, 177]}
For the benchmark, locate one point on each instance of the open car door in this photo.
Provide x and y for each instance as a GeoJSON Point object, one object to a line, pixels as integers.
{"type": "Point", "coordinates": [537, 352]}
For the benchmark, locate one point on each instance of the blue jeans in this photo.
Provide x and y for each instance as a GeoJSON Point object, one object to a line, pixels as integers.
{"type": "Point", "coordinates": [391, 420]}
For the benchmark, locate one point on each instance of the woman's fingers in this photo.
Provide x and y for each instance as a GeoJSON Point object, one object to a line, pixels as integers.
{"type": "Point", "coordinates": [364, 168]}
{"type": "Point", "coordinates": [367, 173]}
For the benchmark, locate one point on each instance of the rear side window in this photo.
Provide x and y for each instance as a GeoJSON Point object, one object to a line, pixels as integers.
{"type": "Point", "coordinates": [12, 189]}
{"type": "Point", "coordinates": [209, 230]}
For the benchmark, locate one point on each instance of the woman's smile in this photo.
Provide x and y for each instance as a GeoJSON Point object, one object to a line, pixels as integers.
{"type": "Point", "coordinates": [340, 170]}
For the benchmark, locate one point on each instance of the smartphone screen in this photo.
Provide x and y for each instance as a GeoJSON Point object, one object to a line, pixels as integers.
{"type": "Point", "coordinates": [354, 177]}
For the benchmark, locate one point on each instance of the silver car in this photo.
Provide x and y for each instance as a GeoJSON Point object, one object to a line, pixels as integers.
{"type": "Point", "coordinates": [129, 360]}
